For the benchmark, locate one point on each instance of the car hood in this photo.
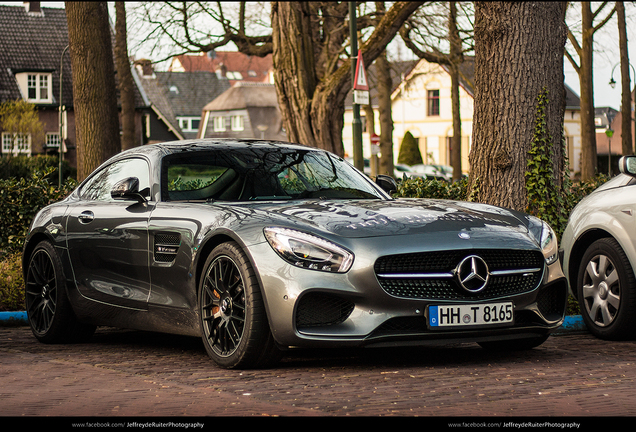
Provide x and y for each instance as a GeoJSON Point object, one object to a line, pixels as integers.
{"type": "Point", "coordinates": [373, 218]}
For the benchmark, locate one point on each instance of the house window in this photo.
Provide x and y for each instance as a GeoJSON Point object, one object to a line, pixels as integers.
{"type": "Point", "coordinates": [433, 102]}
{"type": "Point", "coordinates": [52, 140]}
{"type": "Point", "coordinates": [219, 124]}
{"type": "Point", "coordinates": [38, 87]}
{"type": "Point", "coordinates": [189, 124]}
{"type": "Point", "coordinates": [237, 123]}
{"type": "Point", "coordinates": [16, 143]}
{"type": "Point", "coordinates": [234, 75]}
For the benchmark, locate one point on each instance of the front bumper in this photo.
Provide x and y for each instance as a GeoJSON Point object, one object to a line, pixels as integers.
{"type": "Point", "coordinates": [316, 309]}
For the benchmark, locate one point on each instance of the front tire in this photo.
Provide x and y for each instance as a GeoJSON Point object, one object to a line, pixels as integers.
{"type": "Point", "coordinates": [606, 291]}
{"type": "Point", "coordinates": [49, 310]}
{"type": "Point", "coordinates": [235, 329]}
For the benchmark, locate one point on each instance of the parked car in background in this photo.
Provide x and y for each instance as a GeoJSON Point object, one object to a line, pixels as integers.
{"type": "Point", "coordinates": [259, 247]}
{"type": "Point", "coordinates": [599, 255]}
{"type": "Point", "coordinates": [439, 172]}
{"type": "Point", "coordinates": [400, 170]}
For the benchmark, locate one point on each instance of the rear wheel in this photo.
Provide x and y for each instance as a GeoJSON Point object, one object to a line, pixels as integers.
{"type": "Point", "coordinates": [606, 291]}
{"type": "Point", "coordinates": [235, 329]}
{"type": "Point", "coordinates": [48, 308]}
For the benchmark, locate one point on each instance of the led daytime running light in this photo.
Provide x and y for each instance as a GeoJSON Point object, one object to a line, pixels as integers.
{"type": "Point", "coordinates": [308, 251]}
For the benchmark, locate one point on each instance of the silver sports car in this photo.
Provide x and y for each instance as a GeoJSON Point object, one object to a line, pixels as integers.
{"type": "Point", "coordinates": [260, 247]}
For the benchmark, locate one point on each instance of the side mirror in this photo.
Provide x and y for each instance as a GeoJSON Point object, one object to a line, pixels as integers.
{"type": "Point", "coordinates": [387, 183]}
{"type": "Point", "coordinates": [127, 189]}
{"type": "Point", "coordinates": [627, 165]}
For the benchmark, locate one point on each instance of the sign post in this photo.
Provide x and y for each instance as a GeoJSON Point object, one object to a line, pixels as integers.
{"type": "Point", "coordinates": [375, 150]}
{"type": "Point", "coordinates": [358, 159]}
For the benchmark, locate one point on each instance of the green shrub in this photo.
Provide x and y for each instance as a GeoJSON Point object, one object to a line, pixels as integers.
{"type": "Point", "coordinates": [409, 151]}
{"type": "Point", "coordinates": [433, 188]}
{"type": "Point", "coordinates": [11, 283]}
{"type": "Point", "coordinates": [24, 166]}
{"type": "Point", "coordinates": [20, 200]}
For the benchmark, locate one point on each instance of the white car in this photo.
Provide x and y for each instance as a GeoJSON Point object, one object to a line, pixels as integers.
{"type": "Point", "coordinates": [599, 255]}
{"type": "Point", "coordinates": [439, 172]}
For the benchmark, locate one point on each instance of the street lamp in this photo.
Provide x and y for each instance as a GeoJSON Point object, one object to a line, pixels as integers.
{"type": "Point", "coordinates": [612, 82]}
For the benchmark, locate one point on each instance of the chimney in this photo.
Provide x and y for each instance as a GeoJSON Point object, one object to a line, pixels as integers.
{"type": "Point", "coordinates": [33, 7]}
{"type": "Point", "coordinates": [145, 66]}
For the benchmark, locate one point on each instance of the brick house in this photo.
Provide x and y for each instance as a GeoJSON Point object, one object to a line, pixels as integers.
{"type": "Point", "coordinates": [33, 52]}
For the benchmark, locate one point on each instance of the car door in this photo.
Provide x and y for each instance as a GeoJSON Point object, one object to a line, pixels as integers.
{"type": "Point", "coordinates": [108, 239]}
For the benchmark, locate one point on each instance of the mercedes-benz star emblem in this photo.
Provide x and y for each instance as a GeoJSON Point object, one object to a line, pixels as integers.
{"type": "Point", "coordinates": [472, 273]}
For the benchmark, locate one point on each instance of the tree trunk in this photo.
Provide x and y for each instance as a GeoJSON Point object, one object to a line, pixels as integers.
{"type": "Point", "coordinates": [311, 85]}
{"type": "Point", "coordinates": [384, 87]}
{"type": "Point", "coordinates": [588, 129]}
{"type": "Point", "coordinates": [455, 60]}
{"type": "Point", "coordinates": [386, 121]}
{"type": "Point", "coordinates": [626, 95]}
{"type": "Point", "coordinates": [124, 75]}
{"type": "Point", "coordinates": [94, 96]}
{"type": "Point", "coordinates": [519, 50]}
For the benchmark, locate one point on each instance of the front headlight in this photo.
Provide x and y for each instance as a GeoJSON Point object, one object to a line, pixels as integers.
{"type": "Point", "coordinates": [546, 238]}
{"type": "Point", "coordinates": [308, 251]}
{"type": "Point", "coordinates": [549, 245]}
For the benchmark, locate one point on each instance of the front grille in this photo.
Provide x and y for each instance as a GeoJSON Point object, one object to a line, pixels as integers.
{"type": "Point", "coordinates": [509, 263]}
{"type": "Point", "coordinates": [166, 247]}
{"type": "Point", "coordinates": [320, 309]}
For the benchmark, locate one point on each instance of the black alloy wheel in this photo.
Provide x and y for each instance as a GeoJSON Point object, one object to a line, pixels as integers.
{"type": "Point", "coordinates": [235, 329]}
{"type": "Point", "coordinates": [48, 309]}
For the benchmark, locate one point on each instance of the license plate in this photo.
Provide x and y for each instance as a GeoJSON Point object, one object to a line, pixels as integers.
{"type": "Point", "coordinates": [484, 314]}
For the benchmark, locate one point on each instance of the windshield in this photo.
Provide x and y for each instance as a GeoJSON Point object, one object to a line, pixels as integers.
{"type": "Point", "coordinates": [244, 174]}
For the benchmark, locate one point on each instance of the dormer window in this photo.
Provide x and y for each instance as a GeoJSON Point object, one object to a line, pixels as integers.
{"type": "Point", "coordinates": [36, 86]}
{"type": "Point", "coordinates": [189, 124]}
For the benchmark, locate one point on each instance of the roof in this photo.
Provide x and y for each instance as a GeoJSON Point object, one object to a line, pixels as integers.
{"type": "Point", "coordinates": [466, 74]}
{"type": "Point", "coordinates": [206, 144]}
{"type": "Point", "coordinates": [572, 100]}
{"type": "Point", "coordinates": [251, 68]}
{"type": "Point", "coordinates": [604, 116]}
{"type": "Point", "coordinates": [159, 102]}
{"type": "Point", "coordinates": [189, 92]}
{"type": "Point", "coordinates": [245, 95]}
{"type": "Point", "coordinates": [35, 41]}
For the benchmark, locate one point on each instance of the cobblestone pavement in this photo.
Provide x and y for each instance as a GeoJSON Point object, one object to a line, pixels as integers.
{"type": "Point", "coordinates": [129, 373]}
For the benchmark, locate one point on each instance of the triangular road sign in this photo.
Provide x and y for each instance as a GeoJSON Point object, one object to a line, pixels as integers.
{"type": "Point", "coordinates": [360, 82]}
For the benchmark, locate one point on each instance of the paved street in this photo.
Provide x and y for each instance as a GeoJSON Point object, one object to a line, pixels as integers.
{"type": "Point", "coordinates": [136, 374]}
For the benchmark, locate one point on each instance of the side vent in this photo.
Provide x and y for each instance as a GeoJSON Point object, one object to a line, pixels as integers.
{"type": "Point", "coordinates": [166, 247]}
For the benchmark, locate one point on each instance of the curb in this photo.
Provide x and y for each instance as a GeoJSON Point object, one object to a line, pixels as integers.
{"type": "Point", "coordinates": [571, 324]}
{"type": "Point", "coordinates": [13, 318]}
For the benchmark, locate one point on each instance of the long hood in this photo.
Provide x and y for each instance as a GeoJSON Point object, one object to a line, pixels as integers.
{"type": "Point", "coordinates": [402, 217]}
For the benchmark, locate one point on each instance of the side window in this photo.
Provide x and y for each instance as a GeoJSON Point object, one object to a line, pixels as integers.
{"type": "Point", "coordinates": [99, 186]}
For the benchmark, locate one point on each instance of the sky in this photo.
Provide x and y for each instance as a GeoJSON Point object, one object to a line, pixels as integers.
{"type": "Point", "coordinates": [606, 56]}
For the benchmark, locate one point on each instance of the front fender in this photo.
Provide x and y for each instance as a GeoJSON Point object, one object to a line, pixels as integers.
{"type": "Point", "coordinates": [588, 225]}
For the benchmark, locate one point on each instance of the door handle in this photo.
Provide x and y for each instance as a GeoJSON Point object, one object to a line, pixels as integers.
{"type": "Point", "coordinates": [86, 217]}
